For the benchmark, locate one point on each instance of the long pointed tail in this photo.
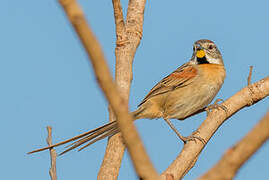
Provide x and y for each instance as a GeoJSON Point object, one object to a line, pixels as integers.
{"type": "Point", "coordinates": [90, 137]}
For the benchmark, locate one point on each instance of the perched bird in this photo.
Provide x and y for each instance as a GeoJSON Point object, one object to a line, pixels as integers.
{"type": "Point", "coordinates": [186, 91]}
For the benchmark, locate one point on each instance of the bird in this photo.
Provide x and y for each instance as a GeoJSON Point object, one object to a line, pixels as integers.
{"type": "Point", "coordinates": [185, 92]}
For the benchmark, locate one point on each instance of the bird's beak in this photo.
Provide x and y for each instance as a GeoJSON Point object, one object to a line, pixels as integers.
{"type": "Point", "coordinates": [200, 53]}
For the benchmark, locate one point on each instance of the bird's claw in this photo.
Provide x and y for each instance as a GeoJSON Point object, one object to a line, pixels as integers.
{"type": "Point", "coordinates": [193, 137]}
{"type": "Point", "coordinates": [215, 105]}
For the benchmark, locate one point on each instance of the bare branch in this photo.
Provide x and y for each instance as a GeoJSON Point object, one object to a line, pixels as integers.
{"type": "Point", "coordinates": [141, 161]}
{"type": "Point", "coordinates": [119, 22]}
{"type": "Point", "coordinates": [115, 148]}
{"type": "Point", "coordinates": [53, 155]}
{"type": "Point", "coordinates": [250, 75]}
{"type": "Point", "coordinates": [214, 120]}
{"type": "Point", "coordinates": [135, 19]}
{"type": "Point", "coordinates": [237, 155]}
{"type": "Point", "coordinates": [125, 49]}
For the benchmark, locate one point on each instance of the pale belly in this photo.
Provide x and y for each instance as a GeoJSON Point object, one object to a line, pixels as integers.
{"type": "Point", "coordinates": [185, 102]}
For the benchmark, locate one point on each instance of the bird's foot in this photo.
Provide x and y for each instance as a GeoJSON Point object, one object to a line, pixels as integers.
{"type": "Point", "coordinates": [215, 105]}
{"type": "Point", "coordinates": [193, 137]}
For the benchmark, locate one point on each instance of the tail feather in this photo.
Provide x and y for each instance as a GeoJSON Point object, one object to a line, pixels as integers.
{"type": "Point", "coordinates": [94, 134]}
{"type": "Point", "coordinates": [108, 134]}
{"type": "Point", "coordinates": [92, 138]}
{"type": "Point", "coordinates": [104, 130]}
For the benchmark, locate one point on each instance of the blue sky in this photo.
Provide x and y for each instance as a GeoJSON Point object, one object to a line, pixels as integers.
{"type": "Point", "coordinates": [46, 79]}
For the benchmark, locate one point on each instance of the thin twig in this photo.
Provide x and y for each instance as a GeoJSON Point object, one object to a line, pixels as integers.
{"type": "Point", "coordinates": [142, 163]}
{"type": "Point", "coordinates": [250, 75]}
{"type": "Point", "coordinates": [53, 155]}
{"type": "Point", "coordinates": [237, 155]}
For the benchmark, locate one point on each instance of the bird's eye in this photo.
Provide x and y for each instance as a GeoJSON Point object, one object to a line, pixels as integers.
{"type": "Point", "coordinates": [210, 47]}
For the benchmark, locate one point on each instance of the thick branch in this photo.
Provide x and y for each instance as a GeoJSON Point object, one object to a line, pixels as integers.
{"type": "Point", "coordinates": [53, 156]}
{"type": "Point", "coordinates": [137, 152]}
{"type": "Point", "coordinates": [125, 49]}
{"type": "Point", "coordinates": [237, 155]}
{"type": "Point", "coordinates": [110, 167]}
{"type": "Point", "coordinates": [245, 97]}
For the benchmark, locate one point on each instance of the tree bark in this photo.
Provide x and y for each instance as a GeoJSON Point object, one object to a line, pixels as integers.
{"type": "Point", "coordinates": [238, 154]}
